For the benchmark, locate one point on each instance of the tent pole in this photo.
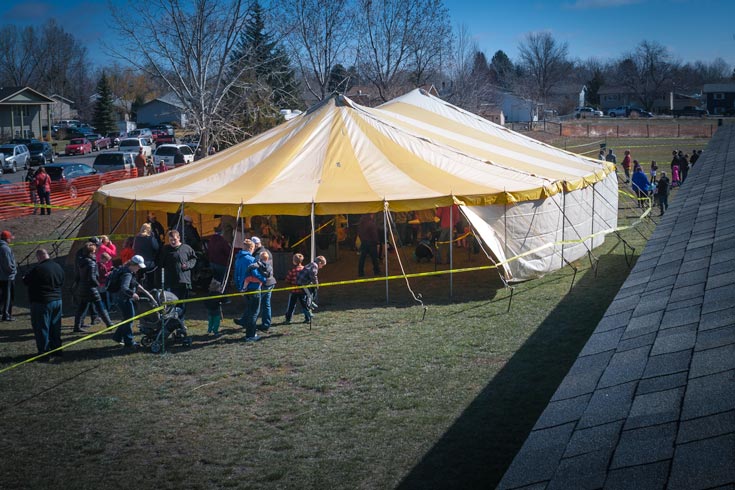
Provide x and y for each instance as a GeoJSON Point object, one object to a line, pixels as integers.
{"type": "Point", "coordinates": [313, 234]}
{"type": "Point", "coordinates": [563, 224]}
{"type": "Point", "coordinates": [135, 214]}
{"type": "Point", "coordinates": [385, 248]}
{"type": "Point", "coordinates": [451, 250]}
{"type": "Point", "coordinates": [181, 222]}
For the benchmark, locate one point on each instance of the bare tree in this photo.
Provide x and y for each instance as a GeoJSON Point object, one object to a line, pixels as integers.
{"type": "Point", "coordinates": [187, 45]}
{"type": "Point", "coordinates": [319, 34]}
{"type": "Point", "coordinates": [472, 86]}
{"type": "Point", "coordinates": [397, 43]}
{"type": "Point", "coordinates": [49, 59]}
{"type": "Point", "coordinates": [430, 43]}
{"type": "Point", "coordinates": [647, 72]}
{"type": "Point", "coordinates": [19, 55]}
{"type": "Point", "coordinates": [545, 61]}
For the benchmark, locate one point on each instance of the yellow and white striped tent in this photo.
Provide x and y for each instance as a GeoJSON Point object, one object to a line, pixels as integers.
{"type": "Point", "coordinates": [339, 157]}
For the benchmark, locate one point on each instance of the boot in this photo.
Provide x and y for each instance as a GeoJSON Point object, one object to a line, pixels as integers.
{"type": "Point", "coordinates": [105, 315]}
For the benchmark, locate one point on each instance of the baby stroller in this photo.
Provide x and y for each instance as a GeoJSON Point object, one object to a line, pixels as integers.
{"type": "Point", "coordinates": [159, 327]}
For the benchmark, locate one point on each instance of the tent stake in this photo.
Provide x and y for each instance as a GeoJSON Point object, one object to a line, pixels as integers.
{"type": "Point", "coordinates": [510, 298]}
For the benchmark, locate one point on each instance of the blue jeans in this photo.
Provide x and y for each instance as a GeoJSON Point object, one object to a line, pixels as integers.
{"type": "Point", "coordinates": [46, 323]}
{"type": "Point", "coordinates": [663, 202]}
{"type": "Point", "coordinates": [250, 316]}
{"type": "Point", "coordinates": [265, 305]}
{"type": "Point", "coordinates": [124, 333]}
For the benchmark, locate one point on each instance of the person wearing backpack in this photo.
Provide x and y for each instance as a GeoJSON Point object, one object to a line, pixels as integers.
{"type": "Point", "coordinates": [243, 271]}
{"type": "Point", "coordinates": [124, 288]}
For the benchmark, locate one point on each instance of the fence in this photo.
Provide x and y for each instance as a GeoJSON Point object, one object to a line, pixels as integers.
{"type": "Point", "coordinates": [639, 130]}
{"type": "Point", "coordinates": [16, 200]}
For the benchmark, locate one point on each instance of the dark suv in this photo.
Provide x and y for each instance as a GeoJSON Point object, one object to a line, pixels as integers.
{"type": "Point", "coordinates": [41, 153]}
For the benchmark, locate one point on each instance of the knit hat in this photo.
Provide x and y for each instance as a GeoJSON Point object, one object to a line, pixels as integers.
{"type": "Point", "coordinates": [6, 235]}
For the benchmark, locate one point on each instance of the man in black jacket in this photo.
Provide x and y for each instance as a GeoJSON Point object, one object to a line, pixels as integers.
{"type": "Point", "coordinates": [178, 260]}
{"type": "Point", "coordinates": [44, 292]}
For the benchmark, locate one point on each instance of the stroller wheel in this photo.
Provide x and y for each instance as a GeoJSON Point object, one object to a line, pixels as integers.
{"type": "Point", "coordinates": [146, 341]}
{"type": "Point", "coordinates": [186, 342]}
{"type": "Point", "coordinates": [156, 347]}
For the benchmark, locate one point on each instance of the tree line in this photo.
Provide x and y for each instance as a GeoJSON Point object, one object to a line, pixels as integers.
{"type": "Point", "coordinates": [234, 64]}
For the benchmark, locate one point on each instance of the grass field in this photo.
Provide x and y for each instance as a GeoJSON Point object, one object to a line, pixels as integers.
{"type": "Point", "coordinates": [373, 396]}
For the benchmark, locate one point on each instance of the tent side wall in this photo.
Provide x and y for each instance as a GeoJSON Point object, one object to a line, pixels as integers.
{"type": "Point", "coordinates": [531, 233]}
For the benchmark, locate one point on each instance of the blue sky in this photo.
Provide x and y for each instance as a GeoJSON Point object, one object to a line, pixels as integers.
{"type": "Point", "coordinates": [691, 29]}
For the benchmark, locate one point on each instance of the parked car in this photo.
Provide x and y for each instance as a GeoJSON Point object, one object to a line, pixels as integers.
{"type": "Point", "coordinates": [639, 112]}
{"type": "Point", "coordinates": [585, 112]}
{"type": "Point", "coordinates": [98, 141]}
{"type": "Point", "coordinates": [78, 146]}
{"type": "Point", "coordinates": [141, 133]}
{"type": "Point", "coordinates": [165, 139]}
{"type": "Point", "coordinates": [133, 145]}
{"type": "Point", "coordinates": [690, 111]}
{"type": "Point", "coordinates": [166, 154]}
{"type": "Point", "coordinates": [167, 128]}
{"type": "Point", "coordinates": [41, 153]}
{"type": "Point", "coordinates": [23, 141]}
{"type": "Point", "coordinates": [115, 137]}
{"type": "Point", "coordinates": [114, 160]}
{"type": "Point", "coordinates": [621, 111]}
{"type": "Point", "coordinates": [15, 157]}
{"type": "Point", "coordinates": [69, 173]}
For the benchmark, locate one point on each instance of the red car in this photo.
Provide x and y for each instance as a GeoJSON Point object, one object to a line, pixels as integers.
{"type": "Point", "coordinates": [78, 146]}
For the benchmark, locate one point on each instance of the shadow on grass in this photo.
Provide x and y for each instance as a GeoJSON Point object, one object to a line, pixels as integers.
{"type": "Point", "coordinates": [481, 444]}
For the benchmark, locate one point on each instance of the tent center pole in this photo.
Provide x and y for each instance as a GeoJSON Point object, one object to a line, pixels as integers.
{"type": "Point", "coordinates": [313, 234]}
{"type": "Point", "coordinates": [385, 248]}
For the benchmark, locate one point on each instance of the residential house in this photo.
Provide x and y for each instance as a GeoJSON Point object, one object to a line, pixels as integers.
{"type": "Point", "coordinates": [23, 112]}
{"type": "Point", "coordinates": [612, 96]}
{"type": "Point", "coordinates": [62, 109]}
{"type": "Point", "coordinates": [720, 98]}
{"type": "Point", "coordinates": [566, 97]}
{"type": "Point", "coordinates": [166, 109]}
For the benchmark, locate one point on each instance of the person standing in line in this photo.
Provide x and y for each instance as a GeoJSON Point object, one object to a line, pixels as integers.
{"type": "Point", "coordinates": [178, 260]}
{"type": "Point", "coordinates": [267, 287]}
{"type": "Point", "coordinates": [44, 284]}
{"type": "Point", "coordinates": [654, 169]}
{"type": "Point", "coordinates": [8, 270]}
{"type": "Point", "coordinates": [640, 187]}
{"type": "Point", "coordinates": [106, 246]}
{"type": "Point", "coordinates": [218, 253]}
{"type": "Point", "coordinates": [243, 272]}
{"type": "Point", "coordinates": [140, 162]}
{"type": "Point", "coordinates": [43, 187]}
{"type": "Point", "coordinates": [367, 231]}
{"type": "Point", "coordinates": [126, 292]}
{"type": "Point", "coordinates": [146, 245]}
{"type": "Point", "coordinates": [626, 165]}
{"type": "Point", "coordinates": [88, 288]}
{"type": "Point", "coordinates": [684, 167]}
{"type": "Point", "coordinates": [32, 190]}
{"type": "Point", "coordinates": [662, 192]}
{"type": "Point", "coordinates": [156, 228]}
{"type": "Point", "coordinates": [611, 157]}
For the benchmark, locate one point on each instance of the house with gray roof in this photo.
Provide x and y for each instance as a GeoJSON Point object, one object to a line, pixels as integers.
{"type": "Point", "coordinates": [167, 109]}
{"type": "Point", "coordinates": [23, 112]}
{"type": "Point", "coordinates": [720, 98]}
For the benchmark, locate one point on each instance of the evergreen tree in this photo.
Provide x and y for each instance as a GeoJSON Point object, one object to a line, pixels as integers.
{"type": "Point", "coordinates": [593, 87]}
{"type": "Point", "coordinates": [503, 69]}
{"type": "Point", "coordinates": [104, 118]}
{"type": "Point", "coordinates": [268, 84]}
{"type": "Point", "coordinates": [340, 79]}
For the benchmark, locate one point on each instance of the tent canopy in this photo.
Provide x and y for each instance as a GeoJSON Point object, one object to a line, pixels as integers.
{"type": "Point", "coordinates": [415, 152]}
